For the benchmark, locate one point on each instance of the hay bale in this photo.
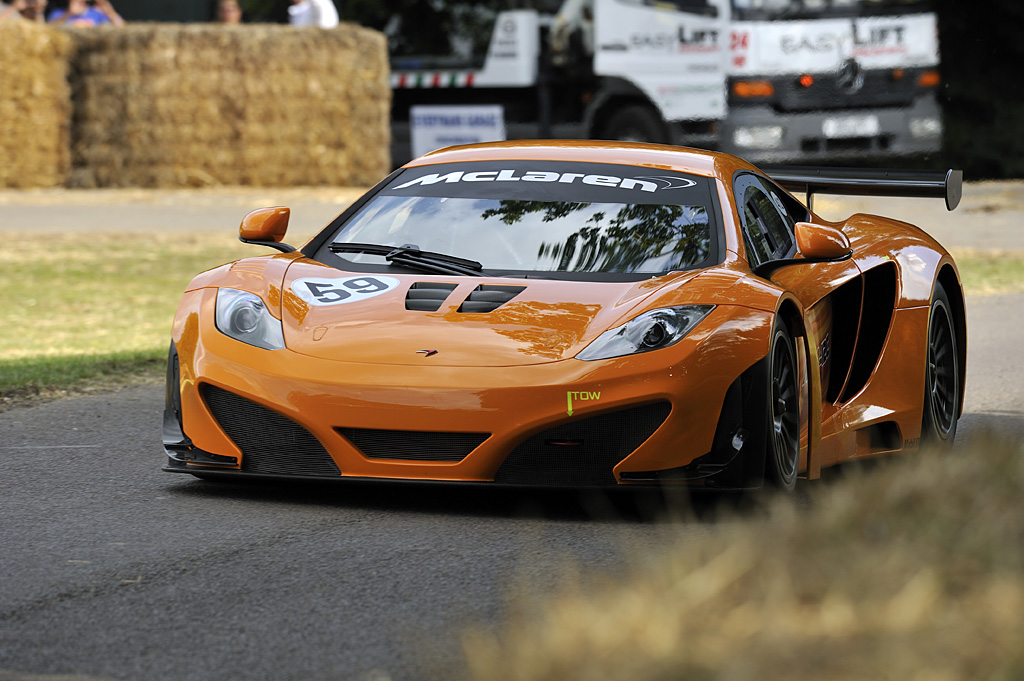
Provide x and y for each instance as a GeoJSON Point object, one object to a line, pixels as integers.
{"type": "Point", "coordinates": [165, 105]}
{"type": "Point", "coordinates": [35, 105]}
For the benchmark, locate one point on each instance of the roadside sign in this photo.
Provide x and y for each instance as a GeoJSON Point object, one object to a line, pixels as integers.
{"type": "Point", "coordinates": [435, 127]}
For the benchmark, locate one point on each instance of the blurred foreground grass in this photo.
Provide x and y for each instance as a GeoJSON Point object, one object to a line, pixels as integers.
{"type": "Point", "coordinates": [913, 571]}
{"type": "Point", "coordinates": [84, 309]}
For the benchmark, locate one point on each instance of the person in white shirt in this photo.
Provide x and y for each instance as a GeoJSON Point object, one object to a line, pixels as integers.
{"type": "Point", "coordinates": [320, 13]}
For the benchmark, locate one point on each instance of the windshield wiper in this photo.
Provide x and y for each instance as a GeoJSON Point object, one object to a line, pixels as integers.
{"type": "Point", "coordinates": [410, 255]}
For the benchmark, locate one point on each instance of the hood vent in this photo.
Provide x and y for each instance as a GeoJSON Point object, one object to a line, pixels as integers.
{"type": "Point", "coordinates": [489, 297]}
{"type": "Point", "coordinates": [427, 296]}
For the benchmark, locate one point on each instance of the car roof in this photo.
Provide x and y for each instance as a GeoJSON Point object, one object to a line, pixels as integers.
{"type": "Point", "coordinates": [660, 156]}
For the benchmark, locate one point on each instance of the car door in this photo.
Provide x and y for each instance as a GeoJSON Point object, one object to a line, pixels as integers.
{"type": "Point", "coordinates": [829, 293]}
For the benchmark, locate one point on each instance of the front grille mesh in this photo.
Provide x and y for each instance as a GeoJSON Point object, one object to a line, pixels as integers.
{"type": "Point", "coordinates": [408, 445]}
{"type": "Point", "coordinates": [584, 452]}
{"type": "Point", "coordinates": [270, 443]}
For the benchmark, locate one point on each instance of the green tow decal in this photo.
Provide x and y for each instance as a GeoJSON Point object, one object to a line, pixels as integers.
{"type": "Point", "coordinates": [579, 396]}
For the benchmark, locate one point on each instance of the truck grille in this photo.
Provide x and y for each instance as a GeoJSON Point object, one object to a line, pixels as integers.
{"type": "Point", "coordinates": [408, 445]}
{"type": "Point", "coordinates": [270, 443]}
{"type": "Point", "coordinates": [584, 452]}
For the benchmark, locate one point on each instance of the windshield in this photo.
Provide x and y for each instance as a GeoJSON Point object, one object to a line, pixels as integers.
{"type": "Point", "coordinates": [822, 9]}
{"type": "Point", "coordinates": [539, 220]}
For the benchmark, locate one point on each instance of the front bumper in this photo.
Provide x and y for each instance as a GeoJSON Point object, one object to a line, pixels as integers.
{"type": "Point", "coordinates": [761, 134]}
{"type": "Point", "coordinates": [569, 422]}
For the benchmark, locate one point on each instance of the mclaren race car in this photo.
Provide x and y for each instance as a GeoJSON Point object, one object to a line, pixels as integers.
{"type": "Point", "coordinates": [574, 314]}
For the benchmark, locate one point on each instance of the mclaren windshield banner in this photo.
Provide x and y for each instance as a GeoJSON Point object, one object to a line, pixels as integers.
{"type": "Point", "coordinates": [552, 181]}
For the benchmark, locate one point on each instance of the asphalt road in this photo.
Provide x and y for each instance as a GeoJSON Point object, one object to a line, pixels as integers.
{"type": "Point", "coordinates": [111, 569]}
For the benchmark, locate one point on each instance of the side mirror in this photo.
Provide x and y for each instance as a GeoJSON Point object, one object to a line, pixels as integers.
{"type": "Point", "coordinates": [821, 242]}
{"type": "Point", "coordinates": [266, 227]}
{"type": "Point", "coordinates": [814, 243]}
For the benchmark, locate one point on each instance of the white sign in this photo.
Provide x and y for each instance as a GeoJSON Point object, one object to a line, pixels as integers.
{"type": "Point", "coordinates": [436, 127]}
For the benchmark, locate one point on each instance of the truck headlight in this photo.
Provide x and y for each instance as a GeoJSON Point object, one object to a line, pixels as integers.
{"type": "Point", "coordinates": [245, 317]}
{"type": "Point", "coordinates": [652, 330]}
{"type": "Point", "coordinates": [925, 127]}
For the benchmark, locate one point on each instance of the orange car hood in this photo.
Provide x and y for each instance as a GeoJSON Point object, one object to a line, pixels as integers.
{"type": "Point", "coordinates": [363, 317]}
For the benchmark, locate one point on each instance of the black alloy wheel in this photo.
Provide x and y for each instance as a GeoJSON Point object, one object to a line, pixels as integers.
{"type": "Point", "coordinates": [784, 411]}
{"type": "Point", "coordinates": [942, 377]}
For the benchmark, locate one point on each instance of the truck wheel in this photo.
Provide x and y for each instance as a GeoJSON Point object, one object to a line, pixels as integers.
{"type": "Point", "coordinates": [942, 375]}
{"type": "Point", "coordinates": [635, 124]}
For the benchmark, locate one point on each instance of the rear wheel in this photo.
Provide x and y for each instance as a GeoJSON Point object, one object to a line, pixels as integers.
{"type": "Point", "coordinates": [942, 376]}
{"type": "Point", "coordinates": [635, 124]}
{"type": "Point", "coordinates": [783, 412]}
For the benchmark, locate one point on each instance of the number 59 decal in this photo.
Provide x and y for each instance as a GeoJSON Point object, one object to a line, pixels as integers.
{"type": "Point", "coordinates": [317, 291]}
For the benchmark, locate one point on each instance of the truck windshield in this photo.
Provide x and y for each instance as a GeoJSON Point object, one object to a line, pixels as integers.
{"type": "Point", "coordinates": [766, 10]}
{"type": "Point", "coordinates": [508, 236]}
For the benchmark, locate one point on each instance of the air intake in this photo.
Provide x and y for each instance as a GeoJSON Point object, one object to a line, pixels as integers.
{"type": "Point", "coordinates": [427, 296]}
{"type": "Point", "coordinates": [584, 452]}
{"type": "Point", "coordinates": [409, 445]}
{"type": "Point", "coordinates": [489, 297]}
{"type": "Point", "coordinates": [270, 443]}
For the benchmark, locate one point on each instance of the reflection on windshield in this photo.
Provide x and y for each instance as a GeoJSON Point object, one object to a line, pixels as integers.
{"type": "Point", "coordinates": [542, 236]}
{"type": "Point", "coordinates": [773, 9]}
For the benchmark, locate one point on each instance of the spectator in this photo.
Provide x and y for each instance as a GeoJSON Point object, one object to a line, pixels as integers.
{"type": "Point", "coordinates": [320, 13]}
{"type": "Point", "coordinates": [86, 13]}
{"type": "Point", "coordinates": [33, 10]}
{"type": "Point", "coordinates": [229, 12]}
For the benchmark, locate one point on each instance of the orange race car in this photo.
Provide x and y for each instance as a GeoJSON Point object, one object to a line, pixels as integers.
{"type": "Point", "coordinates": [574, 314]}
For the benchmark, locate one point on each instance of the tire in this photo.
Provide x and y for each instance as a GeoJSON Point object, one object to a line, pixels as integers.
{"type": "Point", "coordinates": [783, 450]}
{"type": "Point", "coordinates": [942, 375]}
{"type": "Point", "coordinates": [635, 124]}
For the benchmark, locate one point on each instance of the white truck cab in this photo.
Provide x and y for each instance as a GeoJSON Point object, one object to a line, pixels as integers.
{"type": "Point", "coordinates": [831, 79]}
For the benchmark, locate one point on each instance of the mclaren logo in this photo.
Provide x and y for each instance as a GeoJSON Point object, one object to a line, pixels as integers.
{"type": "Point", "coordinates": [644, 183]}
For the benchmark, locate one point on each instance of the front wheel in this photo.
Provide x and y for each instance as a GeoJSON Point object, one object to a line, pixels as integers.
{"type": "Point", "coordinates": [784, 413]}
{"type": "Point", "coordinates": [942, 375]}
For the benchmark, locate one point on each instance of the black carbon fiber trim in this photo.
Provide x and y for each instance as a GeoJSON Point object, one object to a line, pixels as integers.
{"type": "Point", "coordinates": [409, 445]}
{"type": "Point", "coordinates": [584, 452]}
{"type": "Point", "coordinates": [270, 442]}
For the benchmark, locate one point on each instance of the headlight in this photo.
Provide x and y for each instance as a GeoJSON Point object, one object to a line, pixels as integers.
{"type": "Point", "coordinates": [650, 331]}
{"type": "Point", "coordinates": [925, 127]}
{"type": "Point", "coordinates": [244, 317]}
{"type": "Point", "coordinates": [758, 137]}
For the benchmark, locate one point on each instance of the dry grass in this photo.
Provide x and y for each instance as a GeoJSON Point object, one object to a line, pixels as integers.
{"type": "Point", "coordinates": [911, 572]}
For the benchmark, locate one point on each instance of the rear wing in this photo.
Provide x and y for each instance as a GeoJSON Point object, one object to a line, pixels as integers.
{"type": "Point", "coordinates": [946, 184]}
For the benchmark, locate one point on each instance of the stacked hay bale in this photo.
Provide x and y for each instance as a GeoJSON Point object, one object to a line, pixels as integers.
{"type": "Point", "coordinates": [165, 105]}
{"type": "Point", "coordinates": [34, 105]}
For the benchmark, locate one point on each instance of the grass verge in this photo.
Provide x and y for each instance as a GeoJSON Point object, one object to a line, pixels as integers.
{"type": "Point", "coordinates": [985, 273]}
{"type": "Point", "coordinates": [84, 314]}
{"type": "Point", "coordinates": [66, 372]}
